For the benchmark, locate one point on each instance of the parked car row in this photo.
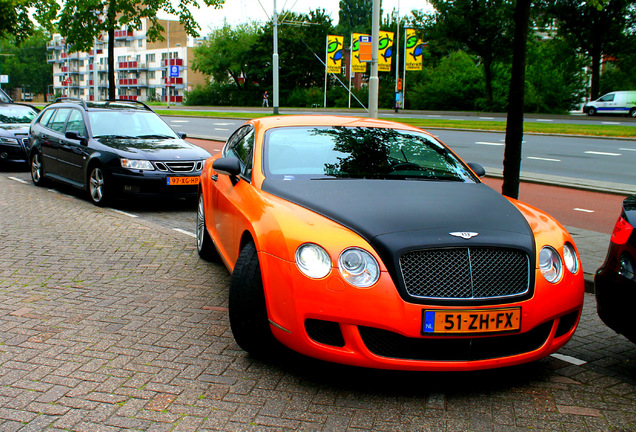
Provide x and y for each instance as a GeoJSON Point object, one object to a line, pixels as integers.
{"type": "Point", "coordinates": [351, 240]}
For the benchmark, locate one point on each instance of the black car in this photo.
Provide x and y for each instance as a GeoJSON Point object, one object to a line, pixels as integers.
{"type": "Point", "coordinates": [113, 148]}
{"type": "Point", "coordinates": [615, 281]}
{"type": "Point", "coordinates": [15, 119]}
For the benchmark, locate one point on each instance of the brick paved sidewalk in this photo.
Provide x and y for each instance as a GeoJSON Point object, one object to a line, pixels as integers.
{"type": "Point", "coordinates": [112, 323]}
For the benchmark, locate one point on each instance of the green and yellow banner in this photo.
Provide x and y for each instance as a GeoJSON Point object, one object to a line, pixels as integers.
{"type": "Point", "coordinates": [385, 51]}
{"type": "Point", "coordinates": [356, 64]}
{"type": "Point", "coordinates": [335, 45]}
{"type": "Point", "coordinates": [413, 51]}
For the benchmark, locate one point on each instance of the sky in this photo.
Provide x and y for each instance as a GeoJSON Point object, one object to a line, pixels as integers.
{"type": "Point", "coordinates": [242, 11]}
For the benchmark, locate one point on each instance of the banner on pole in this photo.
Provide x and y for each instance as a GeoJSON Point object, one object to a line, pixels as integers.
{"type": "Point", "coordinates": [334, 53]}
{"type": "Point", "coordinates": [413, 51]}
{"type": "Point", "coordinates": [385, 51]}
{"type": "Point", "coordinates": [357, 65]}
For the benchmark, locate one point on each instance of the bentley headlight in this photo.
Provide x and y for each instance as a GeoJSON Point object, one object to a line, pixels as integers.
{"type": "Point", "coordinates": [313, 260]}
{"type": "Point", "coordinates": [570, 259]}
{"type": "Point", "coordinates": [136, 164]}
{"type": "Point", "coordinates": [358, 267]}
{"type": "Point", "coordinates": [550, 264]}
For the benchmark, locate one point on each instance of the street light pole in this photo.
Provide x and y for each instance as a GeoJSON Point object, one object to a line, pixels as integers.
{"type": "Point", "coordinates": [275, 62]}
{"type": "Point", "coordinates": [374, 82]}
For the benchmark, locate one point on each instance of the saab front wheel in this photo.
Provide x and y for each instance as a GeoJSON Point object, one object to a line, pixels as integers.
{"type": "Point", "coordinates": [98, 187]}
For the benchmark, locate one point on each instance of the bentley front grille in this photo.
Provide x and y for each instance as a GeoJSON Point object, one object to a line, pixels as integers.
{"type": "Point", "coordinates": [465, 273]}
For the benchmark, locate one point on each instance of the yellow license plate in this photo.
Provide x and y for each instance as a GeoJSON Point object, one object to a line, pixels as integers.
{"type": "Point", "coordinates": [471, 321]}
{"type": "Point", "coordinates": [177, 181]}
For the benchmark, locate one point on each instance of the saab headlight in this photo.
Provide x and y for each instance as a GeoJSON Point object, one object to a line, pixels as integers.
{"type": "Point", "coordinates": [136, 164]}
{"type": "Point", "coordinates": [313, 260]}
{"type": "Point", "coordinates": [358, 267]}
{"type": "Point", "coordinates": [570, 258]}
{"type": "Point", "coordinates": [550, 264]}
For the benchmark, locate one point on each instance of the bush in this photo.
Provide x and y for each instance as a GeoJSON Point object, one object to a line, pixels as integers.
{"type": "Point", "coordinates": [456, 84]}
{"type": "Point", "coordinates": [224, 95]}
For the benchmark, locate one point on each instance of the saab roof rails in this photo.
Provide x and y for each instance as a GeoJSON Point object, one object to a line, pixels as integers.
{"type": "Point", "coordinates": [128, 102]}
{"type": "Point", "coordinates": [70, 99]}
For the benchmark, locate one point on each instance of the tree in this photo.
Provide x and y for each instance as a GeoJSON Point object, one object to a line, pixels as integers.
{"type": "Point", "coordinates": [597, 30]}
{"type": "Point", "coordinates": [479, 27]}
{"type": "Point", "coordinates": [82, 21]}
{"type": "Point", "coordinates": [27, 65]}
{"type": "Point", "coordinates": [514, 122]}
{"type": "Point", "coordinates": [354, 16]}
{"type": "Point", "coordinates": [16, 20]}
{"type": "Point", "coordinates": [227, 55]}
{"type": "Point", "coordinates": [246, 52]}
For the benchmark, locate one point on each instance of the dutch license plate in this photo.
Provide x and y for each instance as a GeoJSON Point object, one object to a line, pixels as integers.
{"type": "Point", "coordinates": [177, 181]}
{"type": "Point", "coordinates": [471, 321]}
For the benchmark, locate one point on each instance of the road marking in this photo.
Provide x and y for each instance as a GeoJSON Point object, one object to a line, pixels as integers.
{"type": "Point", "coordinates": [583, 210]}
{"type": "Point", "coordinates": [489, 143]}
{"type": "Point", "coordinates": [188, 233]}
{"type": "Point", "coordinates": [545, 120]}
{"type": "Point", "coordinates": [223, 124]}
{"type": "Point", "coordinates": [486, 118]}
{"type": "Point", "coordinates": [603, 153]}
{"type": "Point", "coordinates": [179, 121]}
{"type": "Point", "coordinates": [19, 180]}
{"type": "Point", "coordinates": [627, 149]}
{"type": "Point", "coordinates": [124, 213]}
{"type": "Point", "coordinates": [543, 159]}
{"type": "Point", "coordinates": [611, 123]}
{"type": "Point", "coordinates": [569, 359]}
{"type": "Point", "coordinates": [223, 129]}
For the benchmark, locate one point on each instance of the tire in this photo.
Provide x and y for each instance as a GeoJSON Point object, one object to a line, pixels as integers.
{"type": "Point", "coordinates": [632, 113]}
{"type": "Point", "coordinates": [98, 186]}
{"type": "Point", "coordinates": [247, 308]}
{"type": "Point", "coordinates": [205, 245]}
{"type": "Point", "coordinates": [591, 111]}
{"type": "Point", "coordinates": [37, 170]}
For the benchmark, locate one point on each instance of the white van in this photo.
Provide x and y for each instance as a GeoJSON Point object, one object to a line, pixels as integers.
{"type": "Point", "coordinates": [619, 102]}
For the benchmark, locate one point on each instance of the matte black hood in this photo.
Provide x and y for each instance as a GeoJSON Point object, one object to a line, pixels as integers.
{"type": "Point", "coordinates": [397, 215]}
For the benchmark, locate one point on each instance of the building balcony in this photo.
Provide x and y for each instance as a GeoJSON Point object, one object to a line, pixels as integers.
{"type": "Point", "coordinates": [173, 80]}
{"type": "Point", "coordinates": [176, 99]}
{"type": "Point", "coordinates": [123, 34]}
{"type": "Point", "coordinates": [173, 62]}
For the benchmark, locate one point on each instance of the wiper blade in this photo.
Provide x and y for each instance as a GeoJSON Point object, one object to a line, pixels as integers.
{"type": "Point", "coordinates": [115, 136]}
{"type": "Point", "coordinates": [150, 136]}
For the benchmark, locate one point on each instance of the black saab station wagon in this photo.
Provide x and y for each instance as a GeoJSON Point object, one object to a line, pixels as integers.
{"type": "Point", "coordinates": [111, 149]}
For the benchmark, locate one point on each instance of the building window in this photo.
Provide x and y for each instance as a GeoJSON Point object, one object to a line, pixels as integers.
{"type": "Point", "coordinates": [151, 74]}
{"type": "Point", "coordinates": [150, 58]}
{"type": "Point", "coordinates": [141, 43]}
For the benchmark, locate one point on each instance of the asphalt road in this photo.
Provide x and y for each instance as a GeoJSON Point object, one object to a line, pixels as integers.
{"type": "Point", "coordinates": [585, 159]}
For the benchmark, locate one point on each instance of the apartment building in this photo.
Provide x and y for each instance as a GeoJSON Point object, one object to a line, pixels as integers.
{"type": "Point", "coordinates": [144, 70]}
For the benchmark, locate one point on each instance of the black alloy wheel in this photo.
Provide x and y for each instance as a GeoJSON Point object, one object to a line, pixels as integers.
{"type": "Point", "coordinates": [248, 310]}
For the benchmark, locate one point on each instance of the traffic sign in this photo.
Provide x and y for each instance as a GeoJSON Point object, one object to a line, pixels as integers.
{"type": "Point", "coordinates": [364, 48]}
{"type": "Point", "coordinates": [174, 71]}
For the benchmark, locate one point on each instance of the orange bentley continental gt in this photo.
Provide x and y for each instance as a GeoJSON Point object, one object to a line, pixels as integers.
{"type": "Point", "coordinates": [370, 243]}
